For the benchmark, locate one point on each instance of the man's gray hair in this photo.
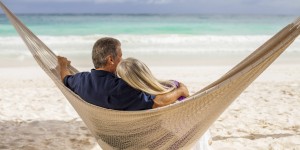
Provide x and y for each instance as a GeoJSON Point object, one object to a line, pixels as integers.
{"type": "Point", "coordinates": [102, 48]}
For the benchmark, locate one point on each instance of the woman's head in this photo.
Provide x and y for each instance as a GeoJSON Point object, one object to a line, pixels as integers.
{"type": "Point", "coordinates": [138, 76]}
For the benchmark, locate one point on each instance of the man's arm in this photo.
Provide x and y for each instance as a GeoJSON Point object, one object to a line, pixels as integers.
{"type": "Point", "coordinates": [64, 64]}
{"type": "Point", "coordinates": [171, 97]}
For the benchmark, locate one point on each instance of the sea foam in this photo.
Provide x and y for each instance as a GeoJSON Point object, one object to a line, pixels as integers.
{"type": "Point", "coordinates": [175, 44]}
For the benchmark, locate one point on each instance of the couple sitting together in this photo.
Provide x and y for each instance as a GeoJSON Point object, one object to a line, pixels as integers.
{"type": "Point", "coordinates": [120, 84]}
{"type": "Point", "coordinates": [123, 84]}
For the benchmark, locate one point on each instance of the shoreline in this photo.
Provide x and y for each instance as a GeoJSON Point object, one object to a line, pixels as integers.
{"type": "Point", "coordinates": [160, 59]}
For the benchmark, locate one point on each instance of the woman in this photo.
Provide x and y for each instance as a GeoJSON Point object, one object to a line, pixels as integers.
{"type": "Point", "coordinates": [139, 76]}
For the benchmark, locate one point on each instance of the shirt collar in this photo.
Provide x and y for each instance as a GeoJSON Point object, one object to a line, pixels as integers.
{"type": "Point", "coordinates": [102, 73]}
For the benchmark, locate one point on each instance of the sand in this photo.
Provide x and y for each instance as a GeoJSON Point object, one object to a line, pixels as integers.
{"type": "Point", "coordinates": [34, 115]}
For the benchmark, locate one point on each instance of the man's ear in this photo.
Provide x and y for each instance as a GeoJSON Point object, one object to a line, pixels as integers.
{"type": "Point", "coordinates": [110, 59]}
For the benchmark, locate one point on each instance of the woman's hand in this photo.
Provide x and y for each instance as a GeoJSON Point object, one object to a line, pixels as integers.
{"type": "Point", "coordinates": [184, 90]}
{"type": "Point", "coordinates": [171, 97]}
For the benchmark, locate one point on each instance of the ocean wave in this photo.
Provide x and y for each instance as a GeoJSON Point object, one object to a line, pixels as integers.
{"type": "Point", "coordinates": [77, 45]}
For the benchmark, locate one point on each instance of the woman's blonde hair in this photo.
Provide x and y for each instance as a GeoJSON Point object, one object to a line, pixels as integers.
{"type": "Point", "coordinates": [139, 76]}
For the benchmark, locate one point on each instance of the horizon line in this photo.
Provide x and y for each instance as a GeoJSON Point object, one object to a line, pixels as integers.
{"type": "Point", "coordinates": [99, 13]}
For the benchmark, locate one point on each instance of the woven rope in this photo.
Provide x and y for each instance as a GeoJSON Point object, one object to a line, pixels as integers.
{"type": "Point", "coordinates": [177, 126]}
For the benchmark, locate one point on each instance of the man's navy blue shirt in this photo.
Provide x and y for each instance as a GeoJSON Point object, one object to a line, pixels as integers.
{"type": "Point", "coordinates": [106, 90]}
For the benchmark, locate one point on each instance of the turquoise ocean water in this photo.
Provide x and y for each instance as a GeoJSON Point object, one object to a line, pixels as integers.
{"type": "Point", "coordinates": [90, 24]}
{"type": "Point", "coordinates": [144, 36]}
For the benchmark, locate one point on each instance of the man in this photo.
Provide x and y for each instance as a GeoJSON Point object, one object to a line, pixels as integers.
{"type": "Point", "coordinates": [103, 88]}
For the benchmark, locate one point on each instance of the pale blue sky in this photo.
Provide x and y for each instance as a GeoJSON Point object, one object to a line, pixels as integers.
{"type": "Point", "coordinates": [284, 7]}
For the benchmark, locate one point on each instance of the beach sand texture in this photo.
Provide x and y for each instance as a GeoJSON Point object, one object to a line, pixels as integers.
{"type": "Point", "coordinates": [35, 115]}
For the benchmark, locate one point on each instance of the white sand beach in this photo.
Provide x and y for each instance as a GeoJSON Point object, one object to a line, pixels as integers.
{"type": "Point", "coordinates": [195, 48]}
{"type": "Point", "coordinates": [34, 115]}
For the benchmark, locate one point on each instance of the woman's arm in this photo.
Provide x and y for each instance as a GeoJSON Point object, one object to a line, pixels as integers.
{"type": "Point", "coordinates": [171, 97]}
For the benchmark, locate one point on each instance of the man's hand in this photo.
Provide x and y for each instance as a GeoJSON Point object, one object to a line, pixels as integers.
{"type": "Point", "coordinates": [63, 61]}
{"type": "Point", "coordinates": [63, 65]}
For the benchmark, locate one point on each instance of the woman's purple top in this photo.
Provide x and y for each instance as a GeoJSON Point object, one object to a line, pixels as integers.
{"type": "Point", "coordinates": [177, 86]}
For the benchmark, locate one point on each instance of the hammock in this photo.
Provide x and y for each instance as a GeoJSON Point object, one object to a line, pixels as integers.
{"type": "Point", "coordinates": [177, 126]}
